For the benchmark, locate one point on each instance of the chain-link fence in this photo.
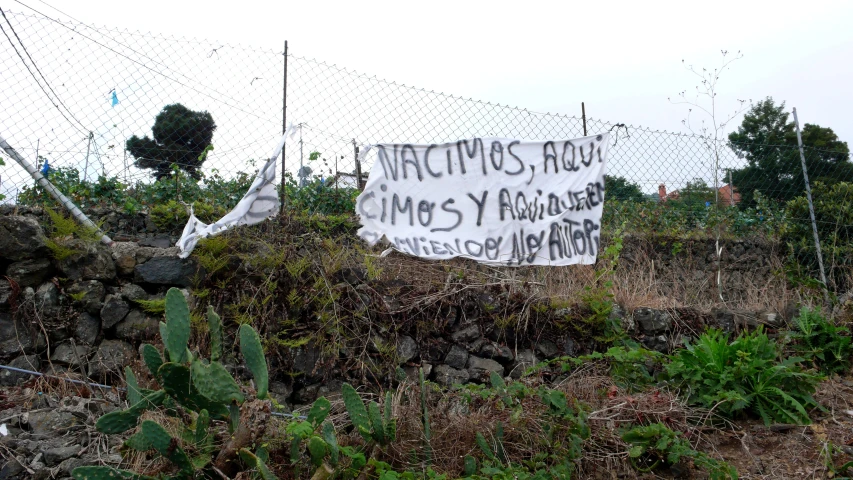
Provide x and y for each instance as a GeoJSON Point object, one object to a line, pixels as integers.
{"type": "Point", "coordinates": [108, 111]}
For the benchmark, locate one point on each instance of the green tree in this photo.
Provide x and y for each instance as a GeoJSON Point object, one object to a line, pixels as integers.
{"type": "Point", "coordinates": [767, 140]}
{"type": "Point", "coordinates": [181, 137]}
{"type": "Point", "coordinates": [619, 188]}
{"type": "Point", "coordinates": [696, 193]}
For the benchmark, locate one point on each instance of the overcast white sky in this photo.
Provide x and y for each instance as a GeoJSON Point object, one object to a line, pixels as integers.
{"type": "Point", "coordinates": [623, 58]}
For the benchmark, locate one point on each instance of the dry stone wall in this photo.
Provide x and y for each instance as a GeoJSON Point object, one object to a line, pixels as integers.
{"type": "Point", "coordinates": [81, 314]}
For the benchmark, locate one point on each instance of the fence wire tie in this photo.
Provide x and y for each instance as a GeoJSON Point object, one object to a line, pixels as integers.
{"type": "Point", "coordinates": [616, 136]}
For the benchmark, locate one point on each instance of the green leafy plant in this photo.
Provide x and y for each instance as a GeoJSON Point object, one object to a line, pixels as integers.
{"type": "Point", "coordinates": [822, 343]}
{"type": "Point", "coordinates": [63, 229]}
{"type": "Point", "coordinates": [377, 428]}
{"type": "Point", "coordinates": [197, 389]}
{"type": "Point", "coordinates": [744, 376]}
{"type": "Point", "coordinates": [656, 445]}
{"type": "Point", "coordinates": [172, 215]}
{"type": "Point", "coordinates": [633, 368]}
{"type": "Point", "coordinates": [212, 253]}
{"type": "Point", "coordinates": [318, 196]}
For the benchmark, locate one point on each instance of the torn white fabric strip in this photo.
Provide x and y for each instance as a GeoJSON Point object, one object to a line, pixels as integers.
{"type": "Point", "coordinates": [258, 204]}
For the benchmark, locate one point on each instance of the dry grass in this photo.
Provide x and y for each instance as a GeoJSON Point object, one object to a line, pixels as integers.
{"type": "Point", "coordinates": [455, 422]}
{"type": "Point", "coordinates": [644, 277]}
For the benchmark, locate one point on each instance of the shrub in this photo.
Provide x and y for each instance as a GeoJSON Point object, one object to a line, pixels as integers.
{"type": "Point", "coordinates": [744, 377]}
{"type": "Point", "coordinates": [821, 342]}
{"type": "Point", "coordinates": [103, 191]}
{"type": "Point", "coordinates": [318, 197]}
{"type": "Point", "coordinates": [172, 215]}
{"type": "Point", "coordinates": [212, 190]}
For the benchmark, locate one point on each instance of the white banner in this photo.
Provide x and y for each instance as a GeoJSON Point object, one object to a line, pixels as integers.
{"type": "Point", "coordinates": [495, 200]}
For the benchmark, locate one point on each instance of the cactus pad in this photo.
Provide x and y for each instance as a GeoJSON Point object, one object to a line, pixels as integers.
{"type": "Point", "coordinates": [138, 442]}
{"type": "Point", "coordinates": [253, 461]}
{"type": "Point", "coordinates": [317, 449]}
{"type": "Point", "coordinates": [319, 411]}
{"type": "Point", "coordinates": [166, 445]}
{"type": "Point", "coordinates": [177, 325]}
{"type": "Point", "coordinates": [357, 412]}
{"type": "Point", "coordinates": [106, 473]}
{"type": "Point", "coordinates": [377, 428]}
{"type": "Point", "coordinates": [332, 443]}
{"type": "Point", "coordinates": [176, 381]}
{"type": "Point", "coordinates": [253, 353]}
{"type": "Point", "coordinates": [215, 383]}
{"type": "Point", "coordinates": [123, 420]}
{"type": "Point", "coordinates": [152, 358]}
{"type": "Point", "coordinates": [134, 396]}
{"type": "Point", "coordinates": [215, 326]}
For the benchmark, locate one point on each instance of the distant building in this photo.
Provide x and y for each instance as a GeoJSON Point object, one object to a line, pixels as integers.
{"type": "Point", "coordinates": [727, 195]}
{"type": "Point", "coordinates": [663, 196]}
{"type": "Point", "coordinates": [346, 180]}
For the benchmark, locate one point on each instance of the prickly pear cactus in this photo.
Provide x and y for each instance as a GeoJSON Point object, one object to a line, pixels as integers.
{"type": "Point", "coordinates": [197, 385]}
{"type": "Point", "coordinates": [370, 422]}
{"type": "Point", "coordinates": [252, 460]}
{"type": "Point", "coordinates": [123, 420]}
{"type": "Point", "coordinates": [253, 352]}
{"type": "Point", "coordinates": [357, 413]}
{"type": "Point", "coordinates": [215, 383]}
{"type": "Point", "coordinates": [106, 473]}
{"type": "Point", "coordinates": [177, 325]}
{"type": "Point", "coordinates": [177, 381]}
{"type": "Point", "coordinates": [152, 359]}
{"type": "Point", "coordinates": [166, 445]}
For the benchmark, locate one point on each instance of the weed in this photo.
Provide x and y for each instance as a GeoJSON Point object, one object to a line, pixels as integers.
{"type": "Point", "coordinates": [656, 445]}
{"type": "Point", "coordinates": [744, 376]}
{"type": "Point", "coordinates": [297, 266]}
{"type": "Point", "coordinates": [372, 268]}
{"type": "Point", "coordinates": [171, 215]}
{"type": "Point", "coordinates": [61, 226]}
{"type": "Point", "coordinates": [821, 342]}
{"type": "Point", "coordinates": [212, 253]}
{"type": "Point", "coordinates": [65, 228]}
{"type": "Point", "coordinates": [154, 307]}
{"type": "Point", "coordinates": [77, 297]}
{"type": "Point", "coordinates": [58, 251]}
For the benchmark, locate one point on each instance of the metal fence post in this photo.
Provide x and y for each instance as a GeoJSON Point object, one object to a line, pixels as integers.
{"type": "Point", "coordinates": [283, 127]}
{"type": "Point", "coordinates": [53, 191]}
{"type": "Point", "coordinates": [811, 208]}
{"type": "Point", "coordinates": [357, 165]}
{"type": "Point", "coordinates": [86, 165]}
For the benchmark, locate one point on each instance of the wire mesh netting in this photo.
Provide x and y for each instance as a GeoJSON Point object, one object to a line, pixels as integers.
{"type": "Point", "coordinates": [108, 112]}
